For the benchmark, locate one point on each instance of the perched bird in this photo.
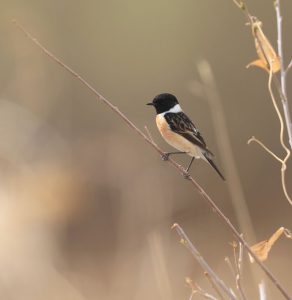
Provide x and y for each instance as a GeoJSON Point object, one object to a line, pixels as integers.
{"type": "Point", "coordinates": [179, 131]}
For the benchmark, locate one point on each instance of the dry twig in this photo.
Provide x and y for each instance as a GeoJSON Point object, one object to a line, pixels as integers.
{"type": "Point", "coordinates": [283, 71]}
{"type": "Point", "coordinates": [238, 268]}
{"type": "Point", "coordinates": [282, 161]}
{"type": "Point", "coordinates": [289, 66]}
{"type": "Point", "coordinates": [172, 162]}
{"type": "Point", "coordinates": [204, 265]}
{"type": "Point", "coordinates": [149, 134]}
{"type": "Point", "coordinates": [213, 285]}
{"type": "Point", "coordinates": [196, 289]}
{"type": "Point", "coordinates": [272, 63]}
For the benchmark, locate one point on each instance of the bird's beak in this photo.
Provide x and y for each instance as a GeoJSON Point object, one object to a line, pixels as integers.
{"type": "Point", "coordinates": [150, 103]}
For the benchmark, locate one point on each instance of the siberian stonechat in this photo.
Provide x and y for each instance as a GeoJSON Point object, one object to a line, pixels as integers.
{"type": "Point", "coordinates": [179, 131]}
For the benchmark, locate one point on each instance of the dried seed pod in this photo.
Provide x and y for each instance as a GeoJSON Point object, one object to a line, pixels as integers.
{"type": "Point", "coordinates": [262, 249]}
{"type": "Point", "coordinates": [268, 58]}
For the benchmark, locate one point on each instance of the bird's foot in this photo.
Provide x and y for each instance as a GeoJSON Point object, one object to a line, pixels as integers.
{"type": "Point", "coordinates": [165, 156]}
{"type": "Point", "coordinates": [185, 174]}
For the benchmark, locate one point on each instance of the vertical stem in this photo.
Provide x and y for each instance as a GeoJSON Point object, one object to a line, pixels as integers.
{"type": "Point", "coordinates": [262, 291]}
{"type": "Point", "coordinates": [283, 71]}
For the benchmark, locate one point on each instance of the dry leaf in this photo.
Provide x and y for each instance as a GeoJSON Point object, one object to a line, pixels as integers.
{"type": "Point", "coordinates": [262, 249]}
{"type": "Point", "coordinates": [268, 57]}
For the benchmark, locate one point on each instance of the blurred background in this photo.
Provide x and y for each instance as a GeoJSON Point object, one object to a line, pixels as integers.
{"type": "Point", "coordinates": [86, 205]}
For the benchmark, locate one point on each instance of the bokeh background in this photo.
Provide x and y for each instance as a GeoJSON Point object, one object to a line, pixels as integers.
{"type": "Point", "coordinates": [86, 205]}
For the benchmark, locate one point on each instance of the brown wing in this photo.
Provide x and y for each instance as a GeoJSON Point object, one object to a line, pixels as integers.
{"type": "Point", "coordinates": [181, 124]}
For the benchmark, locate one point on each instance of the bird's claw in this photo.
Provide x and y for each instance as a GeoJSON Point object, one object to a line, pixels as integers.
{"type": "Point", "coordinates": [185, 175]}
{"type": "Point", "coordinates": [165, 156]}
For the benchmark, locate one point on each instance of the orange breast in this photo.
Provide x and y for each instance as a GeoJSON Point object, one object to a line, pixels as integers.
{"type": "Point", "coordinates": [176, 140]}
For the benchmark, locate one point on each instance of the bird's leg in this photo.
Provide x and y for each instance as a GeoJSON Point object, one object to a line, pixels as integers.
{"type": "Point", "coordinates": [187, 169]}
{"type": "Point", "coordinates": [166, 155]}
{"type": "Point", "coordinates": [186, 172]}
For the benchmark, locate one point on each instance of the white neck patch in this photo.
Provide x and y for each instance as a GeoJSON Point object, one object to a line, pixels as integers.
{"type": "Point", "coordinates": [175, 109]}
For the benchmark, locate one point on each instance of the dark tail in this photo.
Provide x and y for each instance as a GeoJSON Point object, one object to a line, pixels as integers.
{"type": "Point", "coordinates": [210, 161]}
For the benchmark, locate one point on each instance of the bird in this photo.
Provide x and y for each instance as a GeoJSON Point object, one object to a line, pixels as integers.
{"type": "Point", "coordinates": [179, 131]}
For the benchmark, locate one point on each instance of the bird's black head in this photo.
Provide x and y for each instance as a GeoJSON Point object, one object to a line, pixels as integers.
{"type": "Point", "coordinates": [163, 102]}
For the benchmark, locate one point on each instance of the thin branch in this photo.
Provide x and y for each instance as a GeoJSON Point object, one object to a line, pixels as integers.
{"type": "Point", "coordinates": [149, 134]}
{"type": "Point", "coordinates": [240, 4]}
{"type": "Point", "coordinates": [283, 168]}
{"type": "Point", "coordinates": [240, 257]}
{"type": "Point", "coordinates": [282, 161]}
{"type": "Point", "coordinates": [277, 5]}
{"type": "Point", "coordinates": [238, 265]}
{"type": "Point", "coordinates": [283, 180]}
{"type": "Point", "coordinates": [191, 296]}
{"type": "Point", "coordinates": [254, 139]}
{"type": "Point", "coordinates": [230, 266]}
{"type": "Point", "coordinates": [204, 265]}
{"type": "Point", "coordinates": [206, 295]}
{"type": "Point", "coordinates": [278, 113]}
{"type": "Point", "coordinates": [202, 293]}
{"type": "Point", "coordinates": [283, 90]}
{"type": "Point", "coordinates": [196, 289]}
{"type": "Point", "coordinates": [213, 285]}
{"type": "Point", "coordinates": [236, 272]}
{"type": "Point", "coordinates": [289, 67]}
{"type": "Point", "coordinates": [172, 162]}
